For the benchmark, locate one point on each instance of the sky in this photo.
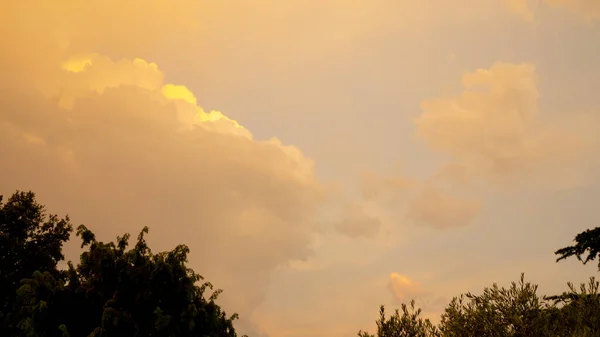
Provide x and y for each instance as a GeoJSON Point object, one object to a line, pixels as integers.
{"type": "Point", "coordinates": [319, 157]}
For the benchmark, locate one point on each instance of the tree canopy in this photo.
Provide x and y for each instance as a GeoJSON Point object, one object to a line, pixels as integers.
{"type": "Point", "coordinates": [585, 242]}
{"type": "Point", "coordinates": [114, 291]}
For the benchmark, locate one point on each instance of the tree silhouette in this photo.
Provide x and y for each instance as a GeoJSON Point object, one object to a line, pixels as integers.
{"type": "Point", "coordinates": [405, 322]}
{"type": "Point", "coordinates": [113, 291]}
{"type": "Point", "coordinates": [30, 241]}
{"type": "Point", "coordinates": [585, 242]}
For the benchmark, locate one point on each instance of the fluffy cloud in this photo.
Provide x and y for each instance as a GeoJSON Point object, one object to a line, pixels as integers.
{"type": "Point", "coordinates": [90, 120]}
{"type": "Point", "coordinates": [494, 132]}
{"type": "Point", "coordinates": [108, 140]}
{"type": "Point", "coordinates": [129, 157]}
{"type": "Point", "coordinates": [495, 129]}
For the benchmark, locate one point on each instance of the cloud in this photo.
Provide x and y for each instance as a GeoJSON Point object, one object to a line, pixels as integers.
{"type": "Point", "coordinates": [405, 289]}
{"type": "Point", "coordinates": [356, 222]}
{"type": "Point", "coordinates": [93, 119]}
{"type": "Point", "coordinates": [110, 141]}
{"type": "Point", "coordinates": [40, 34]}
{"type": "Point", "coordinates": [495, 128]}
{"type": "Point", "coordinates": [130, 156]}
{"type": "Point", "coordinates": [492, 132]}
{"type": "Point", "coordinates": [93, 122]}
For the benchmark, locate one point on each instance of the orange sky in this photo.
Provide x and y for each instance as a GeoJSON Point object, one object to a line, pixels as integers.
{"type": "Point", "coordinates": [320, 158]}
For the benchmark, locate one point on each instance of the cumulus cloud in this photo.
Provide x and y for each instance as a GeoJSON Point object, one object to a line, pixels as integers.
{"type": "Point", "coordinates": [492, 131]}
{"type": "Point", "coordinates": [356, 222]}
{"type": "Point", "coordinates": [126, 158]}
{"type": "Point", "coordinates": [108, 140]}
{"type": "Point", "coordinates": [494, 128]}
{"type": "Point", "coordinates": [92, 120]}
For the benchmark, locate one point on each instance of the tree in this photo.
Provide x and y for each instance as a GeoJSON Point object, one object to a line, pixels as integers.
{"type": "Point", "coordinates": [30, 241]}
{"type": "Point", "coordinates": [112, 292]}
{"type": "Point", "coordinates": [580, 310]}
{"type": "Point", "coordinates": [407, 323]}
{"type": "Point", "coordinates": [516, 311]}
{"type": "Point", "coordinates": [585, 242]}
{"type": "Point", "coordinates": [577, 312]}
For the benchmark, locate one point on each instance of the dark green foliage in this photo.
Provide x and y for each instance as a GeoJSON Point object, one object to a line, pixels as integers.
{"type": "Point", "coordinates": [30, 241]}
{"type": "Point", "coordinates": [113, 291]}
{"type": "Point", "coordinates": [578, 312]}
{"type": "Point", "coordinates": [516, 311]}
